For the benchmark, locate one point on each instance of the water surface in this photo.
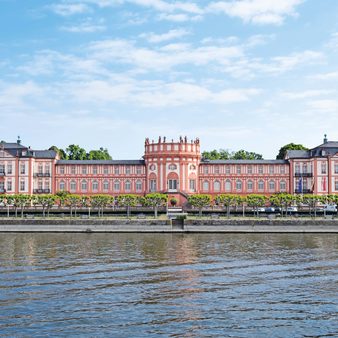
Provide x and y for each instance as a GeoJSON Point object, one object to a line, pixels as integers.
{"type": "Point", "coordinates": [171, 285]}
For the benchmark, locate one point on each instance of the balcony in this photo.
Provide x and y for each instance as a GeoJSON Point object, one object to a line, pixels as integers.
{"type": "Point", "coordinates": [303, 174]}
{"type": "Point", "coordinates": [303, 191]}
{"type": "Point", "coordinates": [41, 191]}
{"type": "Point", "coordinates": [42, 174]}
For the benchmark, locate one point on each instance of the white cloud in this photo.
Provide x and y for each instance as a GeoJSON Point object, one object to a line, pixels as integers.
{"type": "Point", "coordinates": [67, 9]}
{"type": "Point", "coordinates": [178, 17]}
{"type": "Point", "coordinates": [87, 26]}
{"type": "Point", "coordinates": [325, 76]}
{"type": "Point", "coordinates": [324, 105]}
{"type": "Point", "coordinates": [306, 94]}
{"type": "Point", "coordinates": [257, 11]}
{"type": "Point", "coordinates": [172, 34]}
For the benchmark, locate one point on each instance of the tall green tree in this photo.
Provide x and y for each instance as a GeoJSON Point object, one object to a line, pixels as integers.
{"type": "Point", "coordinates": [75, 152]}
{"type": "Point", "coordinates": [100, 202]}
{"type": "Point", "coordinates": [226, 200]}
{"type": "Point", "coordinates": [223, 154]}
{"type": "Point", "coordinates": [255, 201]}
{"type": "Point", "coordinates": [62, 154]}
{"type": "Point", "coordinates": [289, 146]}
{"type": "Point", "coordinates": [101, 154]}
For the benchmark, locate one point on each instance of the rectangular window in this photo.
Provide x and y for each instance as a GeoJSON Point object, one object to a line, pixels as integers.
{"type": "Point", "coordinates": [22, 169]}
{"type": "Point", "coordinates": [323, 167]}
{"type": "Point", "coordinates": [94, 170]}
{"type": "Point", "coordinates": [238, 169]}
{"type": "Point", "coordinates": [138, 170]}
{"type": "Point", "coordinates": [336, 185]}
{"type": "Point", "coordinates": [192, 185]}
{"type": "Point", "coordinates": [205, 170]}
{"type": "Point", "coordinates": [249, 169]}
{"type": "Point", "coordinates": [84, 170]}
{"type": "Point", "coordinates": [47, 169]}
{"type": "Point", "coordinates": [128, 170]}
{"type": "Point", "coordinates": [47, 184]}
{"type": "Point", "coordinates": [260, 169]}
{"type": "Point", "coordinates": [106, 170]}
{"type": "Point", "coordinates": [152, 185]}
{"type": "Point", "coordinates": [172, 184]}
{"type": "Point", "coordinates": [227, 169]}
{"type": "Point", "coordinates": [9, 169]}
{"type": "Point", "coordinates": [271, 170]}
{"type": "Point", "coordinates": [62, 170]}
{"type": "Point", "coordinates": [138, 186]}
{"type": "Point", "coordinates": [282, 169]}
{"type": "Point", "coordinates": [9, 185]}
{"type": "Point", "coordinates": [2, 169]}
{"type": "Point", "coordinates": [40, 169]}
{"type": "Point", "coordinates": [116, 170]}
{"type": "Point", "coordinates": [40, 185]}
{"type": "Point", "coordinates": [297, 169]}
{"type": "Point", "coordinates": [217, 170]}
{"type": "Point", "coordinates": [336, 168]}
{"type": "Point", "coordinates": [73, 170]}
{"type": "Point", "coordinates": [22, 185]}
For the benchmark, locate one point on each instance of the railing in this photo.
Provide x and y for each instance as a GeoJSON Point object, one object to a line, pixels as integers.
{"type": "Point", "coordinates": [41, 191]}
{"type": "Point", "coordinates": [303, 191]}
{"type": "Point", "coordinates": [42, 174]}
{"type": "Point", "coordinates": [303, 174]}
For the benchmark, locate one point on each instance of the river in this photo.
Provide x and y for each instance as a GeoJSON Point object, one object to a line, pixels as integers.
{"type": "Point", "coordinates": [170, 285]}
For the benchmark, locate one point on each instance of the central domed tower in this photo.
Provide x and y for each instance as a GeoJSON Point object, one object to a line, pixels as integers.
{"type": "Point", "coordinates": [172, 167]}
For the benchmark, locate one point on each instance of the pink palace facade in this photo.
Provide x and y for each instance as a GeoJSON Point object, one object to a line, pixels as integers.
{"type": "Point", "coordinates": [172, 167]}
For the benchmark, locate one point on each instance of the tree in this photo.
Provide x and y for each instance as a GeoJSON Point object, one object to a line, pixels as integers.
{"type": "Point", "coordinates": [128, 201]}
{"type": "Point", "coordinates": [62, 197]}
{"type": "Point", "coordinates": [75, 152]}
{"type": "Point", "coordinates": [19, 201]}
{"type": "Point", "coordinates": [200, 201]}
{"type": "Point", "coordinates": [256, 201]}
{"type": "Point", "coordinates": [156, 200]}
{"type": "Point", "coordinates": [101, 154]}
{"type": "Point", "coordinates": [226, 200]}
{"type": "Point", "coordinates": [223, 154]}
{"type": "Point", "coordinates": [291, 146]}
{"type": "Point", "coordinates": [282, 200]}
{"type": "Point", "coordinates": [46, 201]}
{"type": "Point", "coordinates": [62, 154]}
{"type": "Point", "coordinates": [73, 201]}
{"type": "Point", "coordinates": [100, 202]}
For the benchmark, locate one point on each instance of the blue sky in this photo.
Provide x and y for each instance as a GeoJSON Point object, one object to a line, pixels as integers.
{"type": "Point", "coordinates": [250, 74]}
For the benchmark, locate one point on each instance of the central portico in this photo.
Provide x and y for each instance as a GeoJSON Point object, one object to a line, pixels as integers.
{"type": "Point", "coordinates": [172, 166]}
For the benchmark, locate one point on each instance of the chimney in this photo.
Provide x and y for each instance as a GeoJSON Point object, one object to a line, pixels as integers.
{"type": "Point", "coordinates": [18, 141]}
{"type": "Point", "coordinates": [325, 138]}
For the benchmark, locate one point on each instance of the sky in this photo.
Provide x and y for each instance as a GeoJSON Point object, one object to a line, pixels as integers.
{"type": "Point", "coordinates": [249, 74]}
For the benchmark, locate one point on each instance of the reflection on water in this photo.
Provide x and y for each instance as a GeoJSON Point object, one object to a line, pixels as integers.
{"type": "Point", "coordinates": [138, 285]}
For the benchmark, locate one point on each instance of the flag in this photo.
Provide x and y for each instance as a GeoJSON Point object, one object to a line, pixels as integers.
{"type": "Point", "coordinates": [324, 184]}
{"type": "Point", "coordinates": [300, 185]}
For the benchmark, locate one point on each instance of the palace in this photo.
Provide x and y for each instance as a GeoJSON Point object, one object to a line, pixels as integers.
{"type": "Point", "coordinates": [173, 167]}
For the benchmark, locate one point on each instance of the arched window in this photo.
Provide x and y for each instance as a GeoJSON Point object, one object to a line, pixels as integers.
{"type": "Point", "coordinates": [127, 186]}
{"type": "Point", "coordinates": [73, 186]}
{"type": "Point", "coordinates": [217, 186]}
{"type": "Point", "coordinates": [138, 185]}
{"type": "Point", "coordinates": [260, 185]}
{"type": "Point", "coordinates": [105, 185]}
{"type": "Point", "coordinates": [62, 186]}
{"type": "Point", "coordinates": [116, 185]}
{"type": "Point", "coordinates": [206, 186]}
{"type": "Point", "coordinates": [250, 185]}
{"type": "Point", "coordinates": [282, 186]}
{"type": "Point", "coordinates": [227, 185]}
{"type": "Point", "coordinates": [272, 185]}
{"type": "Point", "coordinates": [84, 185]}
{"type": "Point", "coordinates": [238, 185]}
{"type": "Point", "coordinates": [95, 186]}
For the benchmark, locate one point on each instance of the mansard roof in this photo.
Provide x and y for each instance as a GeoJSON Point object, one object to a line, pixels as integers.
{"type": "Point", "coordinates": [298, 154]}
{"type": "Point", "coordinates": [244, 161]}
{"type": "Point", "coordinates": [98, 162]}
{"type": "Point", "coordinates": [16, 149]}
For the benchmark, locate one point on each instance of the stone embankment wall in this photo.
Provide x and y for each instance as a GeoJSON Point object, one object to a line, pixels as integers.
{"type": "Point", "coordinates": [148, 225]}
